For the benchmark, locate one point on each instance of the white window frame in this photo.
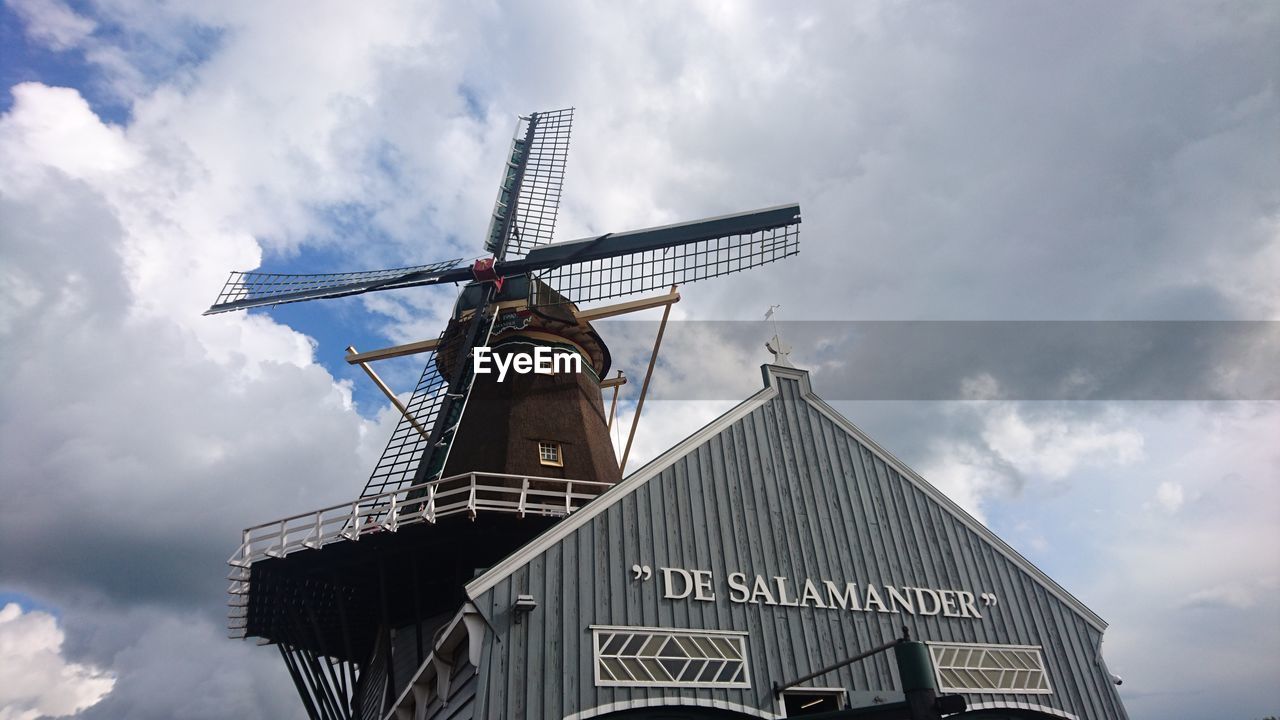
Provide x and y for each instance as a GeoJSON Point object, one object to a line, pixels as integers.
{"type": "Point", "coordinates": [937, 649]}
{"type": "Point", "coordinates": [737, 639]}
{"type": "Point", "coordinates": [558, 460]}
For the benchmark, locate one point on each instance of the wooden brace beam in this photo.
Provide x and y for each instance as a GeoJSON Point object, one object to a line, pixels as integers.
{"type": "Point", "coordinates": [354, 358]}
{"type": "Point", "coordinates": [648, 374]}
{"type": "Point", "coordinates": [351, 352]}
{"type": "Point", "coordinates": [599, 313]}
{"type": "Point", "coordinates": [609, 311]}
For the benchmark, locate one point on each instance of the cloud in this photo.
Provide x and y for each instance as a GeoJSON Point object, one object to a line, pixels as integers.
{"type": "Point", "coordinates": [662, 425]}
{"type": "Point", "coordinates": [1170, 496]}
{"type": "Point", "coordinates": [164, 416]}
{"type": "Point", "coordinates": [1021, 443]}
{"type": "Point", "coordinates": [1221, 597]}
{"type": "Point", "coordinates": [1053, 447]}
{"type": "Point", "coordinates": [53, 23]}
{"type": "Point", "coordinates": [967, 360]}
{"type": "Point", "coordinates": [36, 679]}
{"type": "Point", "coordinates": [53, 129]}
{"type": "Point", "coordinates": [967, 475]}
{"type": "Point", "coordinates": [138, 437]}
{"type": "Point", "coordinates": [1203, 580]}
{"type": "Point", "coordinates": [181, 664]}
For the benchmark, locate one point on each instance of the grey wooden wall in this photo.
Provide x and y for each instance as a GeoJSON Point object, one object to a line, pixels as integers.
{"type": "Point", "coordinates": [787, 491]}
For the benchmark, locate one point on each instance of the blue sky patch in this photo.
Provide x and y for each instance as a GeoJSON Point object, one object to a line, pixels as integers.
{"type": "Point", "coordinates": [28, 603]}
{"type": "Point", "coordinates": [22, 60]}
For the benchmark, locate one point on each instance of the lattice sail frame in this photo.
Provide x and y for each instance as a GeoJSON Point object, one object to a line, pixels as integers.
{"type": "Point", "coordinates": [656, 269]}
{"type": "Point", "coordinates": [399, 462]}
{"type": "Point", "coordinates": [532, 181]}
{"type": "Point", "coordinates": [398, 467]}
{"type": "Point", "coordinates": [242, 289]}
{"type": "Point", "coordinates": [539, 203]}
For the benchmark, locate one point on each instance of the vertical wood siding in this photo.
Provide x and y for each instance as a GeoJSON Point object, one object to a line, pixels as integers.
{"type": "Point", "coordinates": [784, 491]}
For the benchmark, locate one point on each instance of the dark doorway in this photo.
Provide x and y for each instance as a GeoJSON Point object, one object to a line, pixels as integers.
{"type": "Point", "coordinates": [800, 702]}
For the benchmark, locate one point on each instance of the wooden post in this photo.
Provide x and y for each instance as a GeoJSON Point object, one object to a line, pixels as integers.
{"type": "Point", "coordinates": [392, 352]}
{"type": "Point", "coordinates": [644, 387]}
{"type": "Point", "coordinates": [351, 351]}
{"type": "Point", "coordinates": [613, 405]}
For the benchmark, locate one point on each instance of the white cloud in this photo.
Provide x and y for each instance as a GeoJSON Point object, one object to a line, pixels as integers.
{"type": "Point", "coordinates": [1022, 442]}
{"type": "Point", "coordinates": [53, 129]}
{"type": "Point", "coordinates": [1199, 583]}
{"type": "Point", "coordinates": [1235, 597]}
{"type": "Point", "coordinates": [36, 679]}
{"type": "Point", "coordinates": [1053, 447]}
{"type": "Point", "coordinates": [139, 437]}
{"type": "Point", "coordinates": [980, 387]}
{"type": "Point", "coordinates": [180, 664]}
{"type": "Point", "coordinates": [967, 475]}
{"type": "Point", "coordinates": [127, 415]}
{"type": "Point", "coordinates": [53, 23]}
{"type": "Point", "coordinates": [1170, 496]}
{"type": "Point", "coordinates": [663, 423]}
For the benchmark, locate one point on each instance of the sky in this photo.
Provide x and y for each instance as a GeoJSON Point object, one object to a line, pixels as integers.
{"type": "Point", "coordinates": [971, 176]}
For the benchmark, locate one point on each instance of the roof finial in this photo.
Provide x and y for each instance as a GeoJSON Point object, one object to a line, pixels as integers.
{"type": "Point", "coordinates": [781, 351]}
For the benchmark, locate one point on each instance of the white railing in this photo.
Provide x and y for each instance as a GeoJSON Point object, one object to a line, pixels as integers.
{"type": "Point", "coordinates": [469, 493]}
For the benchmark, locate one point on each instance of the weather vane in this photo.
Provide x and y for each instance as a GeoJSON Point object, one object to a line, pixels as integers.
{"type": "Point", "coordinates": [781, 351]}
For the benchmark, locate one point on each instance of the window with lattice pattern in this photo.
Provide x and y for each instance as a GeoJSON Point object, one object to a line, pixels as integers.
{"type": "Point", "coordinates": [1006, 669]}
{"type": "Point", "coordinates": [549, 454]}
{"type": "Point", "coordinates": [634, 657]}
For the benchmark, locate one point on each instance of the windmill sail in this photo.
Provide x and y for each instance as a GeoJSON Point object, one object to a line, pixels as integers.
{"type": "Point", "coordinates": [641, 260]}
{"type": "Point", "coordinates": [405, 448]}
{"type": "Point", "coordinates": [435, 407]}
{"type": "Point", "coordinates": [539, 202]}
{"type": "Point", "coordinates": [529, 195]}
{"type": "Point", "coordinates": [257, 289]}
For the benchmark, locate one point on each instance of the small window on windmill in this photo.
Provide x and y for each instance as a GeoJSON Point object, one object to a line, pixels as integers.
{"type": "Point", "coordinates": [549, 453]}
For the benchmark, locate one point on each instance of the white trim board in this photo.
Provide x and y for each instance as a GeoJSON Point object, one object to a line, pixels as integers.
{"type": "Point", "coordinates": [606, 500]}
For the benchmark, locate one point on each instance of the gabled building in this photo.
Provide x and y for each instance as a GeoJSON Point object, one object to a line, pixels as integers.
{"type": "Point", "coordinates": [497, 565]}
{"type": "Point", "coordinates": [774, 542]}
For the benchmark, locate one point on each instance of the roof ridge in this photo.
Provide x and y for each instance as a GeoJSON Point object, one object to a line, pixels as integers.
{"type": "Point", "coordinates": [771, 375]}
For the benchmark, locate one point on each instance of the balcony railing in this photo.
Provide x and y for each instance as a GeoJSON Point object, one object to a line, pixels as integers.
{"type": "Point", "coordinates": [469, 493]}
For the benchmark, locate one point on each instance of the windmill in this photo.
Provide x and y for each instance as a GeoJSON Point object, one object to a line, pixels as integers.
{"type": "Point", "coordinates": [332, 612]}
